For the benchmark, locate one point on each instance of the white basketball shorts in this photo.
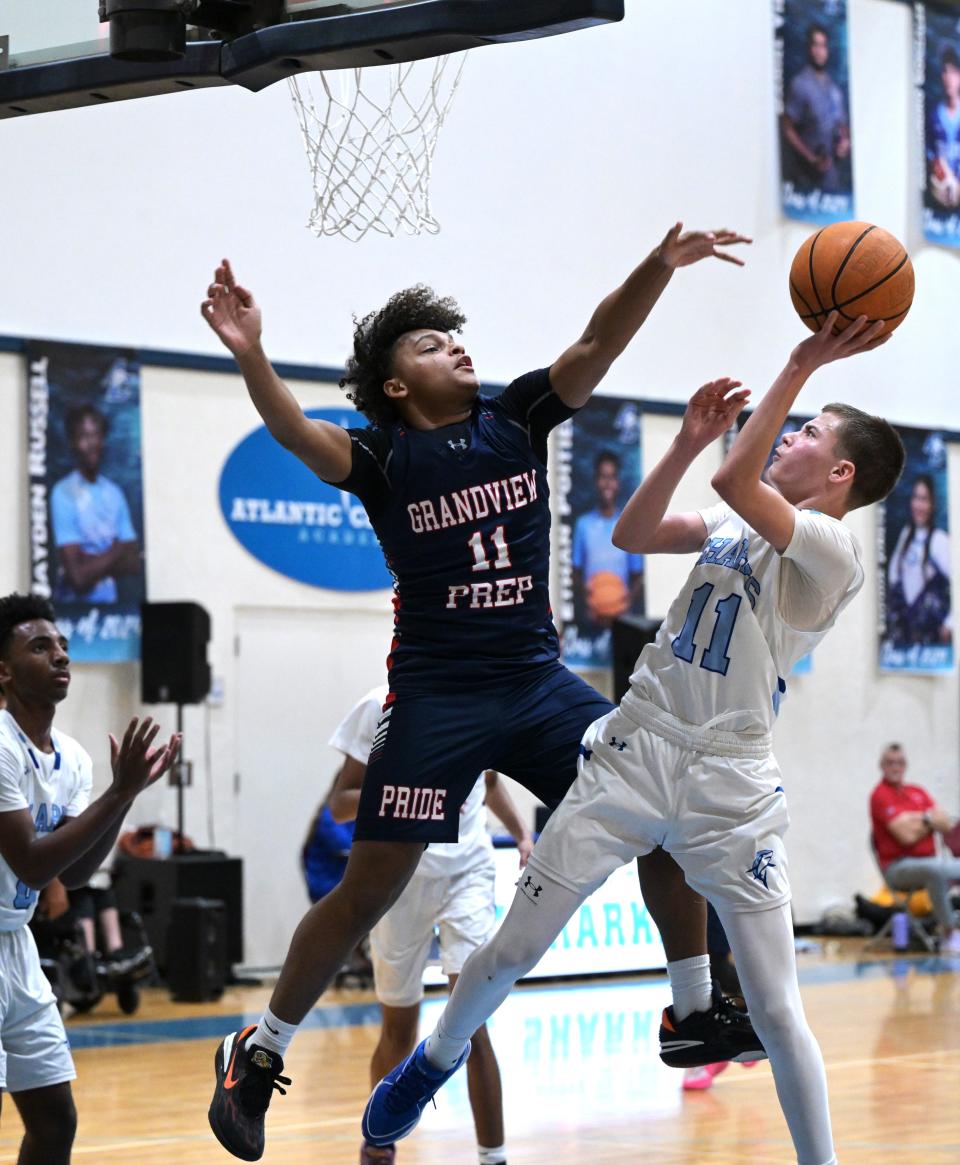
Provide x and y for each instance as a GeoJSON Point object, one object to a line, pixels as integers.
{"type": "Point", "coordinates": [460, 906]}
{"type": "Point", "coordinates": [647, 780]}
{"type": "Point", "coordinates": [34, 1052]}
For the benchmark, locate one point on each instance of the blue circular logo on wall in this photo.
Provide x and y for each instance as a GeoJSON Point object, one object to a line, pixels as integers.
{"type": "Point", "coordinates": [296, 524]}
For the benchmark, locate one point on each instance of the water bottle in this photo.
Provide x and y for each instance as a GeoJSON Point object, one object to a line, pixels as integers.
{"type": "Point", "coordinates": [900, 931]}
{"type": "Point", "coordinates": [162, 842]}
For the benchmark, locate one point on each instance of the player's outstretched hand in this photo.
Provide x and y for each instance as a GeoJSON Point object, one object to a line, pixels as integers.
{"type": "Point", "coordinates": [231, 311]}
{"type": "Point", "coordinates": [712, 410]}
{"type": "Point", "coordinates": [525, 849]}
{"type": "Point", "coordinates": [825, 346]}
{"type": "Point", "coordinates": [680, 249]}
{"type": "Point", "coordinates": [135, 764]}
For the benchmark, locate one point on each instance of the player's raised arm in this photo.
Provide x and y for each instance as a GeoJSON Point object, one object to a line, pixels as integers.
{"type": "Point", "coordinates": [644, 527]}
{"type": "Point", "coordinates": [738, 480]}
{"type": "Point", "coordinates": [231, 312]}
{"type": "Point", "coordinates": [77, 848]}
{"type": "Point", "coordinates": [620, 316]}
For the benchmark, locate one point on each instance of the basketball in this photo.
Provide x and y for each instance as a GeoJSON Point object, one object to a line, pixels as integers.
{"type": "Point", "coordinates": [854, 268]}
{"type": "Point", "coordinates": [607, 595]}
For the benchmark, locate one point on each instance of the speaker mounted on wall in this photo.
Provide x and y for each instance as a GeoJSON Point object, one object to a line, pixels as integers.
{"type": "Point", "coordinates": [173, 653]}
{"type": "Point", "coordinates": [631, 634]}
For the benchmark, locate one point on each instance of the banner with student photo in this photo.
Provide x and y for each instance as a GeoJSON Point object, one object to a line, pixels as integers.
{"type": "Point", "coordinates": [812, 88]}
{"type": "Point", "coordinates": [598, 466]}
{"type": "Point", "coordinates": [86, 495]}
{"type": "Point", "coordinates": [937, 56]}
{"type": "Point", "coordinates": [916, 625]}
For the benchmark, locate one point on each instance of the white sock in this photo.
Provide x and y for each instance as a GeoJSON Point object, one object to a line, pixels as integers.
{"type": "Point", "coordinates": [496, 1156]}
{"type": "Point", "coordinates": [691, 985]}
{"type": "Point", "coordinates": [273, 1034]}
{"type": "Point", "coordinates": [443, 1050]}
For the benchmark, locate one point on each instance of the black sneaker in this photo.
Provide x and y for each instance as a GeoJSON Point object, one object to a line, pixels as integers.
{"type": "Point", "coordinates": [708, 1037]}
{"type": "Point", "coordinates": [125, 966]}
{"type": "Point", "coordinates": [246, 1078]}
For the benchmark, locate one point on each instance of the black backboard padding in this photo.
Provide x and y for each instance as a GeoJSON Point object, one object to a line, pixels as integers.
{"type": "Point", "coordinates": [345, 40]}
{"type": "Point", "coordinates": [96, 80]}
{"type": "Point", "coordinates": [410, 32]}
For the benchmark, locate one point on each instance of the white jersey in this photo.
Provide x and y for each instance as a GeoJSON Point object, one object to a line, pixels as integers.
{"type": "Point", "coordinates": [744, 618]}
{"type": "Point", "coordinates": [51, 786]}
{"type": "Point", "coordinates": [354, 737]}
{"type": "Point", "coordinates": [917, 567]}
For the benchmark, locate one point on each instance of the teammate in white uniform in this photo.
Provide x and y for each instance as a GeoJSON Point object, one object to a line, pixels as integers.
{"type": "Point", "coordinates": [684, 763]}
{"type": "Point", "coordinates": [48, 828]}
{"type": "Point", "coordinates": [451, 891]}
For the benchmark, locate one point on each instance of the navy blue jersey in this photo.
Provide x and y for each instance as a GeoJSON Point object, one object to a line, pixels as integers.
{"type": "Point", "coordinates": [463, 516]}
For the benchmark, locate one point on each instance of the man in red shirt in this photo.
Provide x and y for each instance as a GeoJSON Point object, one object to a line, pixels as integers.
{"type": "Point", "coordinates": [905, 818]}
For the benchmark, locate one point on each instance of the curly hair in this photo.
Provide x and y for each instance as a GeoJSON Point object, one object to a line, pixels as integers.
{"type": "Point", "coordinates": [16, 609]}
{"type": "Point", "coordinates": [374, 338]}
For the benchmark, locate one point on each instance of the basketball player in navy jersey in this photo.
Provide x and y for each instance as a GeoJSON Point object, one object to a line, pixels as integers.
{"type": "Point", "coordinates": [455, 486]}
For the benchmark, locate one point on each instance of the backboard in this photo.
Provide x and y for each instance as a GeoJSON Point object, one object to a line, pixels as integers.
{"type": "Point", "coordinates": [55, 54]}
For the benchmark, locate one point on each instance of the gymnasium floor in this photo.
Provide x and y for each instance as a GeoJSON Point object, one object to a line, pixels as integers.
{"type": "Point", "coordinates": [581, 1078]}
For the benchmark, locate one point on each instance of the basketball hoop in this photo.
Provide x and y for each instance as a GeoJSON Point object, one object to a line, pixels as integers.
{"type": "Point", "coordinates": [370, 134]}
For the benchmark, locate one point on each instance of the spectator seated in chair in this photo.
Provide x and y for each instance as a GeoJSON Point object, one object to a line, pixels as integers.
{"type": "Point", "coordinates": [906, 821]}
{"type": "Point", "coordinates": [81, 972]}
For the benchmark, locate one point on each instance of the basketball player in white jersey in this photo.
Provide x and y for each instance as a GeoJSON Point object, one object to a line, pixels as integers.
{"type": "Point", "coordinates": [684, 762]}
{"type": "Point", "coordinates": [49, 828]}
{"type": "Point", "coordinates": [451, 891]}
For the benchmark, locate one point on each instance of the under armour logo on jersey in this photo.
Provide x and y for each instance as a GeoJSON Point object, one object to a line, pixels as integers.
{"type": "Point", "coordinates": [619, 745]}
{"type": "Point", "coordinates": [585, 752]}
{"type": "Point", "coordinates": [458, 446]}
{"type": "Point", "coordinates": [532, 892]}
{"type": "Point", "coordinates": [762, 864]}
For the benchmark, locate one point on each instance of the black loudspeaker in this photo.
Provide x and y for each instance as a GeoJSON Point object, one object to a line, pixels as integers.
{"type": "Point", "coordinates": [173, 652]}
{"type": "Point", "coordinates": [631, 634]}
{"type": "Point", "coordinates": [151, 886]}
{"type": "Point", "coordinates": [197, 965]}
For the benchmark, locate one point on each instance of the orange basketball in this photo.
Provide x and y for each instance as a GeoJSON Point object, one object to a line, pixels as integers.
{"type": "Point", "coordinates": [607, 595]}
{"type": "Point", "coordinates": [856, 269]}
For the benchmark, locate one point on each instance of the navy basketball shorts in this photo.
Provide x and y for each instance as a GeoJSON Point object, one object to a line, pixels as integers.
{"type": "Point", "coordinates": [429, 749]}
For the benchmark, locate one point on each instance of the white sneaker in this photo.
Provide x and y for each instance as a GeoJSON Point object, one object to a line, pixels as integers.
{"type": "Point", "coordinates": [950, 944]}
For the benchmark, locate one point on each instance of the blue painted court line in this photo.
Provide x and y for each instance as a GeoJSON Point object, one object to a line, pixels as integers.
{"type": "Point", "coordinates": [208, 1027]}
{"type": "Point", "coordinates": [212, 1027]}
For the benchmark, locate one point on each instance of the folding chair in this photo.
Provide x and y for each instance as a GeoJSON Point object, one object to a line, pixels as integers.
{"type": "Point", "coordinates": [901, 904]}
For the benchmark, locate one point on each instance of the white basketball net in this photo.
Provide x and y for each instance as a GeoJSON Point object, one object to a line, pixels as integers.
{"type": "Point", "coordinates": [370, 136]}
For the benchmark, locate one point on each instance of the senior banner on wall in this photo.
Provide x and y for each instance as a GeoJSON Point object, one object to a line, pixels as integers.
{"type": "Point", "coordinates": [916, 628]}
{"type": "Point", "coordinates": [937, 55]}
{"type": "Point", "coordinates": [812, 87]}
{"type": "Point", "coordinates": [86, 495]}
{"type": "Point", "coordinates": [598, 467]}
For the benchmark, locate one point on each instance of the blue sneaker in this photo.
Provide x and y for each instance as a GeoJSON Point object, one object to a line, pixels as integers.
{"type": "Point", "coordinates": [397, 1103]}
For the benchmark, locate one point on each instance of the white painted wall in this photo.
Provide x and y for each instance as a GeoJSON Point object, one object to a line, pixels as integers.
{"type": "Point", "coordinates": [562, 163]}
